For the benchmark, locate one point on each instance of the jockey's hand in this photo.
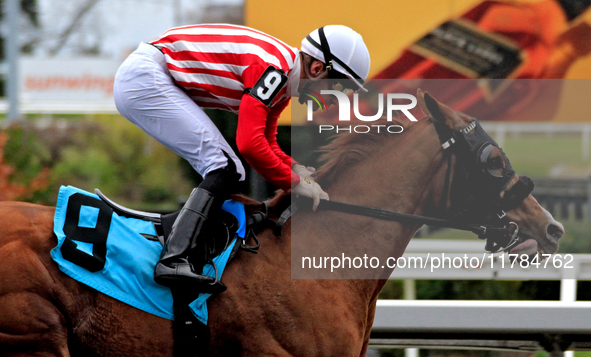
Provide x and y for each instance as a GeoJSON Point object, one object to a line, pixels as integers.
{"type": "Point", "coordinates": [308, 188]}
{"type": "Point", "coordinates": [304, 171]}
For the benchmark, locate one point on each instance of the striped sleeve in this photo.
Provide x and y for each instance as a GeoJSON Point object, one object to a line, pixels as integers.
{"type": "Point", "coordinates": [211, 61]}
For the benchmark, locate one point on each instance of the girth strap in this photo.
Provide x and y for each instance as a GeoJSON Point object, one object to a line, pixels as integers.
{"type": "Point", "coordinates": [191, 336]}
{"type": "Point", "coordinates": [289, 211]}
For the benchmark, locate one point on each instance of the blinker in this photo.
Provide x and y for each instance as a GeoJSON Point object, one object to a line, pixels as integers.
{"type": "Point", "coordinates": [483, 160]}
{"type": "Point", "coordinates": [477, 146]}
{"type": "Point", "coordinates": [485, 151]}
{"type": "Point", "coordinates": [478, 182]}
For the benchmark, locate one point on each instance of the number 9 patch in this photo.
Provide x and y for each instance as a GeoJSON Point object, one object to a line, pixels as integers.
{"type": "Point", "coordinates": [268, 85]}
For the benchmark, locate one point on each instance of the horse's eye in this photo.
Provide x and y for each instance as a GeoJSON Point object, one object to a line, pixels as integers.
{"type": "Point", "coordinates": [495, 165]}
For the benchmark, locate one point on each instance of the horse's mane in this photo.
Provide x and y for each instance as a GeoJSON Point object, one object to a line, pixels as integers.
{"type": "Point", "coordinates": [348, 149]}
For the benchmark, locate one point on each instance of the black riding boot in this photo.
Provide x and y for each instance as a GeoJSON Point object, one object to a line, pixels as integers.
{"type": "Point", "coordinates": [174, 268]}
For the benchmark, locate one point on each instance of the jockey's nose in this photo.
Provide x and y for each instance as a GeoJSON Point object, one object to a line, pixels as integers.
{"type": "Point", "coordinates": [555, 231]}
{"type": "Point", "coordinates": [332, 101]}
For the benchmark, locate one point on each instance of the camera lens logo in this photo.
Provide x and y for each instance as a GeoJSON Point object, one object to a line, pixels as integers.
{"type": "Point", "coordinates": [317, 98]}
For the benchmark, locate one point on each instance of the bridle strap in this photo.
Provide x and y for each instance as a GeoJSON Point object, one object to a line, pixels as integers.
{"type": "Point", "coordinates": [446, 135]}
{"type": "Point", "coordinates": [519, 192]}
{"type": "Point", "coordinates": [497, 236]}
{"type": "Point", "coordinates": [446, 190]}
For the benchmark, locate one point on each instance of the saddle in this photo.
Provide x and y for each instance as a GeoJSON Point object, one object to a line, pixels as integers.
{"type": "Point", "coordinates": [218, 234]}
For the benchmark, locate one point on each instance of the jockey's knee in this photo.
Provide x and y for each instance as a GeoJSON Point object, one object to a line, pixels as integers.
{"type": "Point", "coordinates": [221, 182]}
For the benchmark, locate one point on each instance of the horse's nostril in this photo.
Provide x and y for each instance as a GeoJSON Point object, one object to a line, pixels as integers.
{"type": "Point", "coordinates": [555, 231]}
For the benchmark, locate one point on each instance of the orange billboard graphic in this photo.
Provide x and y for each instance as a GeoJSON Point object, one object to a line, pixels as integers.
{"type": "Point", "coordinates": [493, 42]}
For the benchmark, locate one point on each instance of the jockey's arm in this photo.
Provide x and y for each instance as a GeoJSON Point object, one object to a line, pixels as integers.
{"type": "Point", "coordinates": [271, 132]}
{"type": "Point", "coordinates": [256, 136]}
{"type": "Point", "coordinates": [263, 154]}
{"type": "Point", "coordinates": [254, 145]}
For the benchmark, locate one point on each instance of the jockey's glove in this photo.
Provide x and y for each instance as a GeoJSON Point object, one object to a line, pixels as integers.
{"type": "Point", "coordinates": [308, 188]}
{"type": "Point", "coordinates": [304, 171]}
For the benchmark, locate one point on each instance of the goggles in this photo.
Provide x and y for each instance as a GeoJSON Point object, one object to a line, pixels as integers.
{"type": "Point", "coordinates": [337, 84]}
{"type": "Point", "coordinates": [340, 88]}
{"type": "Point", "coordinates": [341, 83]}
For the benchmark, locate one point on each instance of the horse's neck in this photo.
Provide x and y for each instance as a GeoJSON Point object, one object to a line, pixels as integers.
{"type": "Point", "coordinates": [398, 177]}
{"type": "Point", "coordinates": [401, 176]}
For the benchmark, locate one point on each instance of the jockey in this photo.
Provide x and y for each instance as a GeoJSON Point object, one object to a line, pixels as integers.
{"type": "Point", "coordinates": [164, 84]}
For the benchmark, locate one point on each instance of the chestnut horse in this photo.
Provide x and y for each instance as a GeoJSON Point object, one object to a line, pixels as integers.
{"type": "Point", "coordinates": [264, 312]}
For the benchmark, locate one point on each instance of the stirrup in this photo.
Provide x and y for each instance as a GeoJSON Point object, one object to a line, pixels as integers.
{"type": "Point", "coordinates": [217, 286]}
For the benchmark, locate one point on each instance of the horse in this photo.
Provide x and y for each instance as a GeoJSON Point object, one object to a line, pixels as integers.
{"type": "Point", "coordinates": [264, 312]}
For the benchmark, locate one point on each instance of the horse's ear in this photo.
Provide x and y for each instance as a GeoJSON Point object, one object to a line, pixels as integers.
{"type": "Point", "coordinates": [429, 105]}
{"type": "Point", "coordinates": [439, 111]}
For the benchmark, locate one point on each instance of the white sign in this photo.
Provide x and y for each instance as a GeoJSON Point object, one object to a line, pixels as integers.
{"type": "Point", "coordinates": [78, 81]}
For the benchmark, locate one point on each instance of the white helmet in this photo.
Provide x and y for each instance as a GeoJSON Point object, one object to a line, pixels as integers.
{"type": "Point", "coordinates": [343, 49]}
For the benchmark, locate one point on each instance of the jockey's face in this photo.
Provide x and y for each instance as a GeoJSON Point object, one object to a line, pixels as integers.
{"type": "Point", "coordinates": [318, 75]}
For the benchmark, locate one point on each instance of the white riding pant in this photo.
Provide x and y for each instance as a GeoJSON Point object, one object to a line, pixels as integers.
{"type": "Point", "coordinates": [146, 95]}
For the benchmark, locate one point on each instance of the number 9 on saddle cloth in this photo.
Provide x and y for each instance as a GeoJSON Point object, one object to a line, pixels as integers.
{"type": "Point", "coordinates": [114, 249]}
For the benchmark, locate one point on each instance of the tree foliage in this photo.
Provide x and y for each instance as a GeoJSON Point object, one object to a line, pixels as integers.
{"type": "Point", "coordinates": [13, 184]}
{"type": "Point", "coordinates": [99, 151]}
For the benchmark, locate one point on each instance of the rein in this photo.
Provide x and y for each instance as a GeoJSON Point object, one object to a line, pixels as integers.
{"type": "Point", "coordinates": [499, 236]}
{"type": "Point", "coordinates": [387, 215]}
{"type": "Point", "coordinates": [495, 233]}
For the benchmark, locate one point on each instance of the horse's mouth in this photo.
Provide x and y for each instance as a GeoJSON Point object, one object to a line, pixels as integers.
{"type": "Point", "coordinates": [531, 248]}
{"type": "Point", "coordinates": [527, 247]}
{"type": "Point", "coordinates": [541, 248]}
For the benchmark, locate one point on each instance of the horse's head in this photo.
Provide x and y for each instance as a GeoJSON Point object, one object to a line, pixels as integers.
{"type": "Point", "coordinates": [484, 188]}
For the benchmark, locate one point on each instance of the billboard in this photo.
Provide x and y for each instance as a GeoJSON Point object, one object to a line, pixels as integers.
{"type": "Point", "coordinates": [68, 83]}
{"type": "Point", "coordinates": [456, 39]}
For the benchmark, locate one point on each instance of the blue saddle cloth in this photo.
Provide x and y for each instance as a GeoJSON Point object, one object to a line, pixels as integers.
{"type": "Point", "coordinates": [108, 252]}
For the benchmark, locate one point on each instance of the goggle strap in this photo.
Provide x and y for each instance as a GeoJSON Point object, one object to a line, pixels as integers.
{"type": "Point", "coordinates": [328, 57]}
{"type": "Point", "coordinates": [325, 48]}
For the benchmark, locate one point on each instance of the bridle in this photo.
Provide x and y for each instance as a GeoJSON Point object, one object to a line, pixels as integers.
{"type": "Point", "coordinates": [475, 193]}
